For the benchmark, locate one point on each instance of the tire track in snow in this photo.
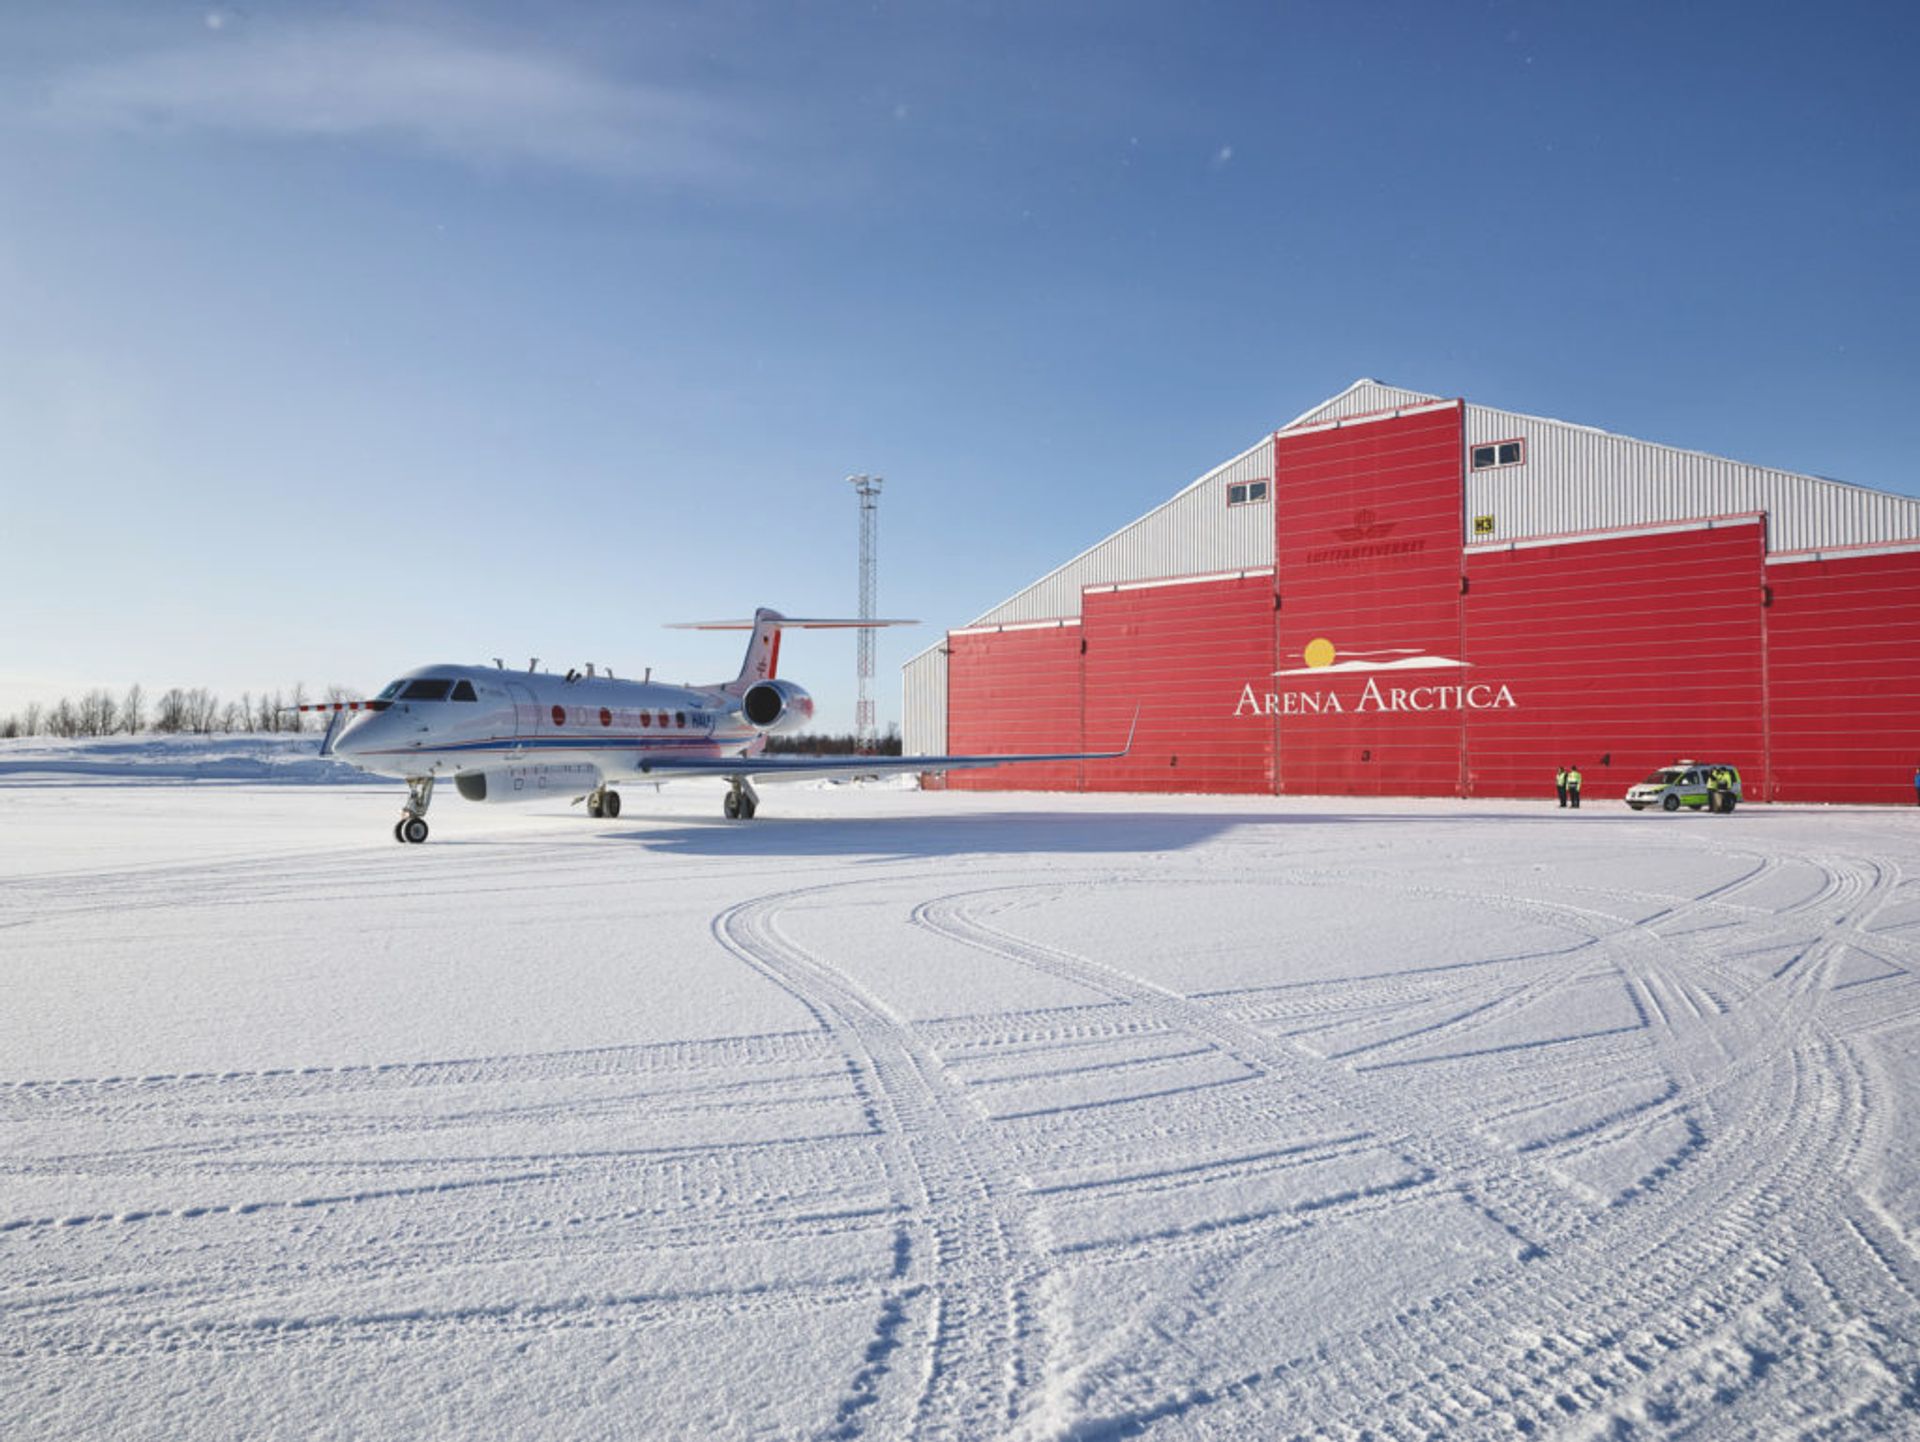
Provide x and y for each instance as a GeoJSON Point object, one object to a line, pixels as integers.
{"type": "Point", "coordinates": [1571, 1370]}
{"type": "Point", "coordinates": [978, 1269]}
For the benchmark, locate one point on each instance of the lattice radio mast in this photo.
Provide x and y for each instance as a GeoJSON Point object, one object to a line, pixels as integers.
{"type": "Point", "coordinates": [866, 736]}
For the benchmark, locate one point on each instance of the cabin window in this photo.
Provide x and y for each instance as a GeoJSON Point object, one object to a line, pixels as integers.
{"type": "Point", "coordinates": [426, 691]}
{"type": "Point", "coordinates": [680, 719]}
{"type": "Point", "coordinates": [606, 717]}
{"type": "Point", "coordinates": [559, 715]}
{"type": "Point", "coordinates": [663, 718]}
{"type": "Point", "coordinates": [646, 718]}
{"type": "Point", "coordinates": [463, 691]}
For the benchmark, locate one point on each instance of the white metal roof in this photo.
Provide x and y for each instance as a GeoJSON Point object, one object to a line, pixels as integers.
{"type": "Point", "coordinates": [1574, 478]}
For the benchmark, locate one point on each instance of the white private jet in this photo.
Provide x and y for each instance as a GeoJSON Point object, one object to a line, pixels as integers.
{"type": "Point", "coordinates": [523, 735]}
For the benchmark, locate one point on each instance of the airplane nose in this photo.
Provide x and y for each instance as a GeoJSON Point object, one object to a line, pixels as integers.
{"type": "Point", "coordinates": [351, 737]}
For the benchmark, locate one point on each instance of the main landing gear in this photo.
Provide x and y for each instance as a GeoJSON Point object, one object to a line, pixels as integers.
{"type": "Point", "coordinates": [602, 802]}
{"type": "Point", "coordinates": [412, 825]}
{"type": "Point", "coordinates": [741, 800]}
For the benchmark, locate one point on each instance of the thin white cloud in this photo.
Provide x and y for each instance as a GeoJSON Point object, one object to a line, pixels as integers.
{"type": "Point", "coordinates": [482, 102]}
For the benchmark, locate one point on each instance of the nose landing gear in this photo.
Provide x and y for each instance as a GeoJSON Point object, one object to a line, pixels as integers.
{"type": "Point", "coordinates": [741, 800]}
{"type": "Point", "coordinates": [602, 802]}
{"type": "Point", "coordinates": [412, 825]}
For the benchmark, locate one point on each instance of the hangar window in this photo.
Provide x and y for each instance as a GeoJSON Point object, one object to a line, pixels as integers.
{"type": "Point", "coordinates": [463, 691]}
{"type": "Point", "coordinates": [1246, 493]}
{"type": "Point", "coordinates": [1499, 453]}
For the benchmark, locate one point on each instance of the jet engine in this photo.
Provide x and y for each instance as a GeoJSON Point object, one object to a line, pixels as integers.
{"type": "Point", "coordinates": [776, 706]}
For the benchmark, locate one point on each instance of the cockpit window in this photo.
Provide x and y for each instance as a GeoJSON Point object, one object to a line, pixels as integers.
{"type": "Point", "coordinates": [426, 690]}
{"type": "Point", "coordinates": [463, 691]}
{"type": "Point", "coordinates": [393, 690]}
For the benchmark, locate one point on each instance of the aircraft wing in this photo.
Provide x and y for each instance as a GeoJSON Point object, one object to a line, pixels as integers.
{"type": "Point", "coordinates": [667, 767]}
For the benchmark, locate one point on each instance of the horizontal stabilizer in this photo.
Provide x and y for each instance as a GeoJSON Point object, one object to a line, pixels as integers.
{"type": "Point", "coordinates": [762, 661]}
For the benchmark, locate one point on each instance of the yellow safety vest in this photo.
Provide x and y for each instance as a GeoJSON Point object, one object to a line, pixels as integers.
{"type": "Point", "coordinates": [1573, 777]}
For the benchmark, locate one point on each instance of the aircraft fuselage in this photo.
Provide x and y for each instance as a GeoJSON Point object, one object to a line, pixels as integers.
{"type": "Point", "coordinates": [516, 735]}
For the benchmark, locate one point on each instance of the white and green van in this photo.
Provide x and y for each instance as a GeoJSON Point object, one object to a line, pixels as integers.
{"type": "Point", "coordinates": [1682, 784]}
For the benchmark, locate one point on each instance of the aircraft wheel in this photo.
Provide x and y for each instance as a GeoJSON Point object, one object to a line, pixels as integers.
{"type": "Point", "coordinates": [398, 833]}
{"type": "Point", "coordinates": [611, 805]}
{"type": "Point", "coordinates": [414, 829]}
{"type": "Point", "coordinates": [1672, 803]}
{"type": "Point", "coordinates": [730, 806]}
{"type": "Point", "coordinates": [747, 808]}
{"type": "Point", "coordinates": [594, 808]}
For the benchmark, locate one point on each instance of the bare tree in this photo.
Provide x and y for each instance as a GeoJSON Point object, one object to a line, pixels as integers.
{"type": "Point", "coordinates": [133, 710]}
{"type": "Point", "coordinates": [171, 714]}
{"type": "Point", "coordinates": [96, 713]}
{"type": "Point", "coordinates": [63, 721]}
{"type": "Point", "coordinates": [296, 719]}
{"type": "Point", "coordinates": [203, 709]}
{"type": "Point", "coordinates": [31, 719]}
{"type": "Point", "coordinates": [9, 728]}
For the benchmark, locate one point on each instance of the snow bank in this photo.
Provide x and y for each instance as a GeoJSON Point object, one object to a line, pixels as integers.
{"type": "Point", "coordinates": [278, 759]}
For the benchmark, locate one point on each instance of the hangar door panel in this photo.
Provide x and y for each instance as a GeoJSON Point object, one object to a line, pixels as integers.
{"type": "Point", "coordinates": [1014, 691]}
{"type": "Point", "coordinates": [1184, 654]}
{"type": "Point", "coordinates": [1367, 544]}
{"type": "Point", "coordinates": [1619, 656]}
{"type": "Point", "coordinates": [1843, 670]}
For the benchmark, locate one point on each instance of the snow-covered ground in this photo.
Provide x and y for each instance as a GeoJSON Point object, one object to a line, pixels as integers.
{"type": "Point", "coordinates": [952, 1115]}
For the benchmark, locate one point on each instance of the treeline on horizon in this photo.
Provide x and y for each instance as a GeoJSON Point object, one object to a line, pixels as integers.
{"type": "Point", "coordinates": [828, 743]}
{"type": "Point", "coordinates": [199, 711]}
{"type": "Point", "coordinates": [181, 709]}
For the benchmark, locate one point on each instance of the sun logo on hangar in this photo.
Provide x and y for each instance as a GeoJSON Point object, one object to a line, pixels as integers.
{"type": "Point", "coordinates": [1322, 657]}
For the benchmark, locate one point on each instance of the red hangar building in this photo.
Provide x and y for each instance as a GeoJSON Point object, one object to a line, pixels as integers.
{"type": "Point", "coordinates": [1403, 595]}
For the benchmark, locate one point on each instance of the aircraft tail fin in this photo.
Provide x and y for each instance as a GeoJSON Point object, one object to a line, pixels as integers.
{"type": "Point", "coordinates": [762, 661]}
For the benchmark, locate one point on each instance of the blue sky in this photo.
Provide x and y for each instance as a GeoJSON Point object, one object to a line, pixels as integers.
{"type": "Point", "coordinates": [340, 337]}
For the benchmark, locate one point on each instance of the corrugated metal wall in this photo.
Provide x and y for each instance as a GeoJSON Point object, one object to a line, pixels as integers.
{"type": "Point", "coordinates": [1621, 655]}
{"type": "Point", "coordinates": [1577, 479]}
{"type": "Point", "coordinates": [1195, 533]}
{"type": "Point", "coordinates": [1843, 677]}
{"type": "Point", "coordinates": [923, 714]}
{"type": "Point", "coordinates": [1368, 575]}
{"type": "Point", "coordinates": [1573, 480]}
{"type": "Point", "coordinates": [1016, 691]}
{"type": "Point", "coordinates": [1178, 656]}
